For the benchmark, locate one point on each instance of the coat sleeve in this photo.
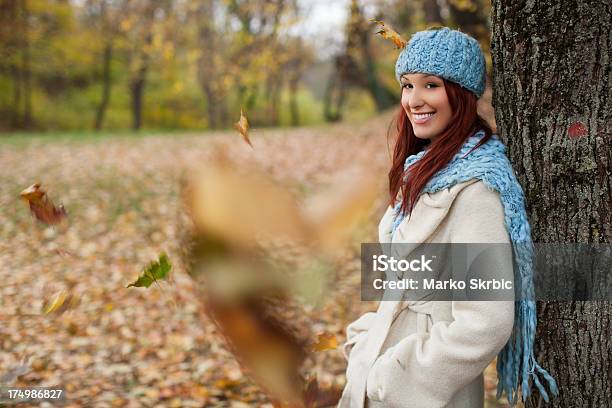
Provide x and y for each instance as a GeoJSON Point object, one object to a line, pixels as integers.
{"type": "Point", "coordinates": [355, 331]}
{"type": "Point", "coordinates": [427, 369]}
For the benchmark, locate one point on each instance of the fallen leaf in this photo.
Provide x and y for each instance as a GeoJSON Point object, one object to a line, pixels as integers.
{"type": "Point", "coordinates": [41, 205]}
{"type": "Point", "coordinates": [155, 271]}
{"type": "Point", "coordinates": [65, 253]}
{"type": "Point", "coordinates": [243, 127]}
{"type": "Point", "coordinates": [389, 34]}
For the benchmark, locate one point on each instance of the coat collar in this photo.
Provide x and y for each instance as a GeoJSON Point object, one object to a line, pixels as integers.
{"type": "Point", "coordinates": [427, 214]}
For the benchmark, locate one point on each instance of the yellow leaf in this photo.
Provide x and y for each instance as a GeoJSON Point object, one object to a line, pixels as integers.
{"type": "Point", "coordinates": [62, 302]}
{"type": "Point", "coordinates": [243, 127]}
{"type": "Point", "coordinates": [325, 341]}
{"type": "Point", "coordinates": [390, 34]}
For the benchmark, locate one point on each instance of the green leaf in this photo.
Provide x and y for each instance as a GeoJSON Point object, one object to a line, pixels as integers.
{"type": "Point", "coordinates": [154, 271]}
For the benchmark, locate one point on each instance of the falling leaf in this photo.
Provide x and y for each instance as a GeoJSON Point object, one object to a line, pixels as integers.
{"type": "Point", "coordinates": [325, 341]}
{"type": "Point", "coordinates": [231, 206]}
{"type": "Point", "coordinates": [41, 205]}
{"type": "Point", "coordinates": [242, 126]}
{"type": "Point", "coordinates": [389, 34]}
{"type": "Point", "coordinates": [62, 302]}
{"type": "Point", "coordinates": [155, 271]}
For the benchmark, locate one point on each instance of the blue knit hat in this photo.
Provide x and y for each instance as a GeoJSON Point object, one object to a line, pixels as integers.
{"type": "Point", "coordinates": [446, 53]}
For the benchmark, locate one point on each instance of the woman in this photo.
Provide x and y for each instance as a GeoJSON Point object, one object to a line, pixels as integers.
{"type": "Point", "coordinates": [450, 182]}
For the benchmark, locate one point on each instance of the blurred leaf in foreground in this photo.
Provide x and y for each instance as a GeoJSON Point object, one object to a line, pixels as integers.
{"type": "Point", "coordinates": [234, 210]}
{"type": "Point", "coordinates": [155, 271]}
{"type": "Point", "coordinates": [241, 205]}
{"type": "Point", "coordinates": [316, 396]}
{"type": "Point", "coordinates": [41, 205]}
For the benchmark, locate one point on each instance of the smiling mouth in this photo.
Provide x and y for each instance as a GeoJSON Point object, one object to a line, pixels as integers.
{"type": "Point", "coordinates": [422, 118]}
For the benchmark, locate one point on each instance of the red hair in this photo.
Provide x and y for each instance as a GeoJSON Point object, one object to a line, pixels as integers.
{"type": "Point", "coordinates": [464, 122]}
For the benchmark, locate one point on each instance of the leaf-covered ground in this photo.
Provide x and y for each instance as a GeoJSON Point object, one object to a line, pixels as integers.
{"type": "Point", "coordinates": [138, 347]}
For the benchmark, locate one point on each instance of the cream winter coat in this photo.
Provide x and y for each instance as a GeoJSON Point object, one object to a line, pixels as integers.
{"type": "Point", "coordinates": [432, 353]}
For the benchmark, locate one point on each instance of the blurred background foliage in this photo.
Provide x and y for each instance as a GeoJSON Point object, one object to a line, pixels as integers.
{"type": "Point", "coordinates": [85, 65]}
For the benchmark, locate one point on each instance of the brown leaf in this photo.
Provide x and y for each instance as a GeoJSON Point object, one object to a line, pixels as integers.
{"type": "Point", "coordinates": [242, 126]}
{"type": "Point", "coordinates": [41, 205]}
{"type": "Point", "coordinates": [64, 253]}
{"type": "Point", "coordinates": [390, 34]}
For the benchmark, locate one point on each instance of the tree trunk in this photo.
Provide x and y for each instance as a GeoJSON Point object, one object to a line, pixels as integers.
{"type": "Point", "coordinates": [553, 96]}
{"type": "Point", "coordinates": [293, 104]}
{"type": "Point", "coordinates": [137, 90]}
{"type": "Point", "coordinates": [360, 31]}
{"type": "Point", "coordinates": [471, 18]}
{"type": "Point", "coordinates": [16, 119]}
{"type": "Point", "coordinates": [26, 73]}
{"type": "Point", "coordinates": [273, 91]}
{"type": "Point", "coordinates": [335, 95]}
{"type": "Point", "coordinates": [209, 76]}
{"type": "Point", "coordinates": [106, 85]}
{"type": "Point", "coordinates": [383, 98]}
{"type": "Point", "coordinates": [137, 83]}
{"type": "Point", "coordinates": [431, 10]}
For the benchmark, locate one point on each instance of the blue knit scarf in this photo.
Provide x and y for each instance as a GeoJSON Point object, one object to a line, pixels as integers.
{"type": "Point", "coordinates": [488, 163]}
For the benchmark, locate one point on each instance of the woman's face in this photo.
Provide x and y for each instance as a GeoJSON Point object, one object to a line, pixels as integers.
{"type": "Point", "coordinates": [425, 101]}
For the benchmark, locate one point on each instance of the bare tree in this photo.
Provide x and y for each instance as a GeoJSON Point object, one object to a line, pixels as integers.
{"type": "Point", "coordinates": [143, 16]}
{"type": "Point", "coordinates": [105, 15]}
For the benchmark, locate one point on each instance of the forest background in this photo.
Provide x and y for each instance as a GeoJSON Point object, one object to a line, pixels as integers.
{"type": "Point", "coordinates": [82, 65]}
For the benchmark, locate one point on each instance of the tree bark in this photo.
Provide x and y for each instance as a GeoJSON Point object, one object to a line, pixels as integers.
{"type": "Point", "coordinates": [208, 70]}
{"type": "Point", "coordinates": [552, 95]}
{"type": "Point", "coordinates": [137, 90]}
{"type": "Point", "coordinates": [106, 85]}
{"type": "Point", "coordinates": [26, 73]}
{"type": "Point", "coordinates": [137, 84]}
{"type": "Point", "coordinates": [293, 104]}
